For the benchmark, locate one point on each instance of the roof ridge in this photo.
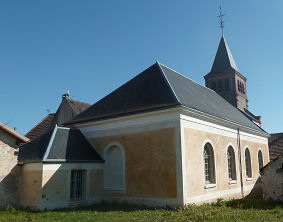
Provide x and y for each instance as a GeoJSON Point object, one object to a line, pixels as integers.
{"type": "Point", "coordinates": [230, 56]}
{"type": "Point", "coordinates": [168, 82]}
{"type": "Point", "coordinates": [47, 151]}
{"type": "Point", "coordinates": [187, 77]}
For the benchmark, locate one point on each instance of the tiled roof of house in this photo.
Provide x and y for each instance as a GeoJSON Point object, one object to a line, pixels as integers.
{"type": "Point", "coordinates": [77, 106]}
{"type": "Point", "coordinates": [67, 110]}
{"type": "Point", "coordinates": [275, 143]}
{"type": "Point", "coordinates": [41, 127]}
{"type": "Point", "coordinates": [160, 87]}
{"type": "Point", "coordinates": [59, 144]}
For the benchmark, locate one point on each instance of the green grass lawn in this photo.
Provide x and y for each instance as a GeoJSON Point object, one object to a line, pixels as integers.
{"type": "Point", "coordinates": [236, 210]}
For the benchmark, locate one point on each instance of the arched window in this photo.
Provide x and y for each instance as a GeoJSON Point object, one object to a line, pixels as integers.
{"type": "Point", "coordinates": [231, 163]}
{"type": "Point", "coordinates": [260, 159]}
{"type": "Point", "coordinates": [208, 160]}
{"type": "Point", "coordinates": [248, 163]}
{"type": "Point", "coordinates": [114, 170]}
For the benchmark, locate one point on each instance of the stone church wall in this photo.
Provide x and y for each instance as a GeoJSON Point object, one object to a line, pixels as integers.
{"type": "Point", "coordinates": [10, 172]}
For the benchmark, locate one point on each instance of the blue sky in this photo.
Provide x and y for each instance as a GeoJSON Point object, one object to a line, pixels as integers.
{"type": "Point", "coordinates": [93, 47]}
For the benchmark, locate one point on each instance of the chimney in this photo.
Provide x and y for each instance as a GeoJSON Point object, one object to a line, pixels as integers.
{"type": "Point", "coordinates": [66, 95]}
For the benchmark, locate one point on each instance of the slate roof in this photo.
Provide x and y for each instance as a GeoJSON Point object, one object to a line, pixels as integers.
{"type": "Point", "coordinates": [59, 145]}
{"type": "Point", "coordinates": [223, 60]}
{"type": "Point", "coordinates": [67, 110]}
{"type": "Point", "coordinates": [160, 87]}
{"type": "Point", "coordinates": [275, 143]}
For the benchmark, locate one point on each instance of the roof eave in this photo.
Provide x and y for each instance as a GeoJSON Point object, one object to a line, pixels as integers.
{"type": "Point", "coordinates": [13, 133]}
{"type": "Point", "coordinates": [235, 124]}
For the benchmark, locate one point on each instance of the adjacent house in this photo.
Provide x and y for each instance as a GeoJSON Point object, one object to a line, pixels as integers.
{"type": "Point", "coordinates": [10, 172]}
{"type": "Point", "coordinates": [66, 111]}
{"type": "Point", "coordinates": [272, 179]}
{"type": "Point", "coordinates": [275, 143]}
{"type": "Point", "coordinates": [160, 139]}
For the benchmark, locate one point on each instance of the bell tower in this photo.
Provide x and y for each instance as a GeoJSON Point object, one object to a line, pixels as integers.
{"type": "Point", "coordinates": [225, 79]}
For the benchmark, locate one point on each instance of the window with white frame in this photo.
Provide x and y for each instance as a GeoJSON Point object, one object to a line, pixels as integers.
{"type": "Point", "coordinates": [248, 163]}
{"type": "Point", "coordinates": [78, 185]}
{"type": "Point", "coordinates": [231, 163]}
{"type": "Point", "coordinates": [114, 172]}
{"type": "Point", "coordinates": [208, 160]}
{"type": "Point", "coordinates": [260, 159]}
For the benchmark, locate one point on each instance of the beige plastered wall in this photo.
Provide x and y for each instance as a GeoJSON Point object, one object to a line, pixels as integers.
{"type": "Point", "coordinates": [152, 148]}
{"type": "Point", "coordinates": [31, 185]}
{"type": "Point", "coordinates": [150, 162]}
{"type": "Point", "coordinates": [56, 180]}
{"type": "Point", "coordinates": [194, 144]}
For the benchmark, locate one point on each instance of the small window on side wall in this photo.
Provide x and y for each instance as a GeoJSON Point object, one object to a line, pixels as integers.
{"type": "Point", "coordinates": [78, 185]}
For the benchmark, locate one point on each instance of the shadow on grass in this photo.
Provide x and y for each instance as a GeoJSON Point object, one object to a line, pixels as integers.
{"type": "Point", "coordinates": [259, 204]}
{"type": "Point", "coordinates": [110, 207]}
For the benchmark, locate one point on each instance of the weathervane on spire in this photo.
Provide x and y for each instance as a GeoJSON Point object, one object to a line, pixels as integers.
{"type": "Point", "coordinates": [220, 16]}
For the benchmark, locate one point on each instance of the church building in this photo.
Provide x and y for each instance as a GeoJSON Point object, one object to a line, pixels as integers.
{"type": "Point", "coordinates": [160, 139]}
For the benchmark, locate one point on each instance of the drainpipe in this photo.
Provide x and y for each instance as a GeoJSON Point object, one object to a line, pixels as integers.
{"type": "Point", "coordinates": [240, 159]}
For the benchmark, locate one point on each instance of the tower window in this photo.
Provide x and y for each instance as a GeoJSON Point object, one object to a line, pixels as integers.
{"type": "Point", "coordinates": [227, 84]}
{"type": "Point", "coordinates": [241, 87]}
{"type": "Point", "coordinates": [213, 86]}
{"type": "Point", "coordinates": [220, 85]}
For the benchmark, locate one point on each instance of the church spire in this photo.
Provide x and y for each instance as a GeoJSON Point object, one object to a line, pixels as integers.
{"type": "Point", "coordinates": [223, 60]}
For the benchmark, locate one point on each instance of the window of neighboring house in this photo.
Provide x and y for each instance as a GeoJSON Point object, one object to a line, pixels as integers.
{"type": "Point", "coordinates": [231, 163]}
{"type": "Point", "coordinates": [208, 159]}
{"type": "Point", "coordinates": [248, 163]}
{"type": "Point", "coordinates": [78, 185]}
{"type": "Point", "coordinates": [260, 159]}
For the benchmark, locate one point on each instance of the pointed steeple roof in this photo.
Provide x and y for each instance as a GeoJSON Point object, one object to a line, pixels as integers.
{"type": "Point", "coordinates": [223, 60]}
